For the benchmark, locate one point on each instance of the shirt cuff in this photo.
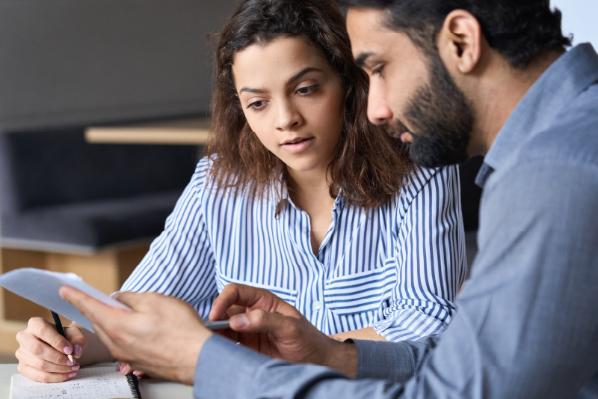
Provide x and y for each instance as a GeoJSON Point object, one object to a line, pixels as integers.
{"type": "Point", "coordinates": [225, 369]}
{"type": "Point", "coordinates": [393, 361]}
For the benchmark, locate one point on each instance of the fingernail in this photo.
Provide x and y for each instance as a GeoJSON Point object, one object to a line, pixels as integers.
{"type": "Point", "coordinates": [78, 350]}
{"type": "Point", "coordinates": [71, 375]}
{"type": "Point", "coordinates": [75, 367]}
{"type": "Point", "coordinates": [137, 373]}
{"type": "Point", "coordinates": [239, 321]}
{"type": "Point", "coordinates": [67, 350]}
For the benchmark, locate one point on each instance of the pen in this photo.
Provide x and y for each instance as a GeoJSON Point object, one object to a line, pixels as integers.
{"type": "Point", "coordinates": [217, 325]}
{"type": "Point", "coordinates": [60, 330]}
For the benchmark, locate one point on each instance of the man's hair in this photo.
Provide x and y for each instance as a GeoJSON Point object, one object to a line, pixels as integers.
{"type": "Point", "coordinates": [520, 30]}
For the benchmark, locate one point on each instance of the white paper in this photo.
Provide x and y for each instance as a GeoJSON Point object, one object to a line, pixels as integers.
{"type": "Point", "coordinates": [90, 383]}
{"type": "Point", "coordinates": [41, 287]}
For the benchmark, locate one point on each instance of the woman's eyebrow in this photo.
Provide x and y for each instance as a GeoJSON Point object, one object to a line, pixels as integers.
{"type": "Point", "coordinates": [250, 90]}
{"type": "Point", "coordinates": [302, 73]}
{"type": "Point", "coordinates": [293, 79]}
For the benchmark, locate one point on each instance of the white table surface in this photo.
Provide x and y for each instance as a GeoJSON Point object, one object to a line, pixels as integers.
{"type": "Point", "coordinates": [150, 389]}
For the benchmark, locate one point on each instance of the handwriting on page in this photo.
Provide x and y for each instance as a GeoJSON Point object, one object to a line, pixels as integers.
{"type": "Point", "coordinates": [91, 383]}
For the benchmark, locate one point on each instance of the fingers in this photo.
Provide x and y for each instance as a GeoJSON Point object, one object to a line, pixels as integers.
{"type": "Point", "coordinates": [77, 339]}
{"type": "Point", "coordinates": [241, 295]}
{"type": "Point", "coordinates": [136, 300]}
{"type": "Point", "coordinates": [258, 321]}
{"type": "Point", "coordinates": [42, 353]}
{"type": "Point", "coordinates": [41, 336]}
{"type": "Point", "coordinates": [235, 309]}
{"type": "Point", "coordinates": [41, 376]}
{"type": "Point", "coordinates": [97, 312]}
{"type": "Point", "coordinates": [43, 360]}
{"type": "Point", "coordinates": [124, 368]}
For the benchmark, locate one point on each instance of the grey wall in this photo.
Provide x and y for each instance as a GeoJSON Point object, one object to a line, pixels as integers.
{"type": "Point", "coordinates": [87, 61]}
{"type": "Point", "coordinates": [580, 19]}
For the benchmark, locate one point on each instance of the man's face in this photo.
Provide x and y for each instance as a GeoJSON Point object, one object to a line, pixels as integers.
{"type": "Point", "coordinates": [411, 93]}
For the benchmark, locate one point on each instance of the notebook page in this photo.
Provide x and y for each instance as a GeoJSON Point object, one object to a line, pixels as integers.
{"type": "Point", "coordinates": [91, 383]}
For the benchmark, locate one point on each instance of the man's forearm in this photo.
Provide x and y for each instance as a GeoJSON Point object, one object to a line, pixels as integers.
{"type": "Point", "coordinates": [256, 375]}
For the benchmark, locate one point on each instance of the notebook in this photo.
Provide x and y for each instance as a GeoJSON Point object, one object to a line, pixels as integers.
{"type": "Point", "coordinates": [98, 382]}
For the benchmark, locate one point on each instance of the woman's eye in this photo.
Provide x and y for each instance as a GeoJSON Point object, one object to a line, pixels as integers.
{"type": "Point", "coordinates": [306, 90]}
{"type": "Point", "coordinates": [257, 105]}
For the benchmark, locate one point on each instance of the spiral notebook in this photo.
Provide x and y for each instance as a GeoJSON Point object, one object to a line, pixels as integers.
{"type": "Point", "coordinates": [99, 382]}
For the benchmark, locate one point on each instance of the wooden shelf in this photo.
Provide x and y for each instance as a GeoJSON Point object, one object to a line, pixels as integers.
{"type": "Point", "coordinates": [179, 132]}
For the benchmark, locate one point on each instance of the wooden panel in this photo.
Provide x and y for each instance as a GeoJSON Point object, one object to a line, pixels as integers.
{"type": "Point", "coordinates": [176, 132]}
{"type": "Point", "coordinates": [8, 332]}
{"type": "Point", "coordinates": [13, 307]}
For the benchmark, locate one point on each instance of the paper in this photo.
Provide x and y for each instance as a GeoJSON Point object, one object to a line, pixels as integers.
{"type": "Point", "coordinates": [91, 383]}
{"type": "Point", "coordinates": [41, 287]}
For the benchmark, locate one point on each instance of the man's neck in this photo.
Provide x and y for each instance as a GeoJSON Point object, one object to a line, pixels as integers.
{"type": "Point", "coordinates": [498, 93]}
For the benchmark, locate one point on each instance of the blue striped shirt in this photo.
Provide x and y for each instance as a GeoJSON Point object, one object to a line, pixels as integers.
{"type": "Point", "coordinates": [396, 268]}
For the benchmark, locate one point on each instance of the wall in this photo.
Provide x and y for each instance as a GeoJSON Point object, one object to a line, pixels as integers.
{"type": "Point", "coordinates": [77, 62]}
{"type": "Point", "coordinates": [579, 18]}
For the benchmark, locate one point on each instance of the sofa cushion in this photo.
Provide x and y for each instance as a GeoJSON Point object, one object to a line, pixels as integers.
{"type": "Point", "coordinates": [90, 225]}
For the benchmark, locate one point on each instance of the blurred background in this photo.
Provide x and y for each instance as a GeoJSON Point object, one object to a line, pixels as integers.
{"type": "Point", "coordinates": [104, 111]}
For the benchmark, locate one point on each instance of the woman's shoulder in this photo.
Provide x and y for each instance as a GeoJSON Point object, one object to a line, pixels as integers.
{"type": "Point", "coordinates": [204, 181]}
{"type": "Point", "coordinates": [201, 176]}
{"type": "Point", "coordinates": [421, 177]}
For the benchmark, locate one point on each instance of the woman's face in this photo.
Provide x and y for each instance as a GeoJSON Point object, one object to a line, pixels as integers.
{"type": "Point", "coordinates": [292, 99]}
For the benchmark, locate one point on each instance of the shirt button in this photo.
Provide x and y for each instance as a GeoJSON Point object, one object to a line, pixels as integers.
{"type": "Point", "coordinates": [317, 305]}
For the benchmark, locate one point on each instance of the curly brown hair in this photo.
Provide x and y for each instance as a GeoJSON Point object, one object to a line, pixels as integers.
{"type": "Point", "coordinates": [368, 165]}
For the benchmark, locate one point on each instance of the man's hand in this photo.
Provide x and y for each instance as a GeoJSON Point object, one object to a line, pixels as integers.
{"type": "Point", "coordinates": [159, 335]}
{"type": "Point", "coordinates": [265, 323]}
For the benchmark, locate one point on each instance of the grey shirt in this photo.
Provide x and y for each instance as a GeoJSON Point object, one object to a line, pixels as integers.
{"type": "Point", "coordinates": [527, 320]}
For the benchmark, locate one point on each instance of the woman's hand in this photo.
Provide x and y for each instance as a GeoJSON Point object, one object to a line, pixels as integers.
{"type": "Point", "coordinates": [43, 352]}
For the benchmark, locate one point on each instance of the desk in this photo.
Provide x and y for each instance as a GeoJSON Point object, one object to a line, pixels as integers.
{"type": "Point", "coordinates": [150, 389]}
{"type": "Point", "coordinates": [177, 132]}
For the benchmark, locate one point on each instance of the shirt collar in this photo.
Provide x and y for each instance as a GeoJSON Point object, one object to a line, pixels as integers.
{"type": "Point", "coordinates": [569, 75]}
{"type": "Point", "coordinates": [278, 193]}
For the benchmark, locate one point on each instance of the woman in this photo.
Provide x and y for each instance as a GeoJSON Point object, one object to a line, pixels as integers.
{"type": "Point", "coordinates": [299, 195]}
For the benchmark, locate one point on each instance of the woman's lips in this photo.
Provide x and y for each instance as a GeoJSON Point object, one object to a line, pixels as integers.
{"type": "Point", "coordinates": [298, 145]}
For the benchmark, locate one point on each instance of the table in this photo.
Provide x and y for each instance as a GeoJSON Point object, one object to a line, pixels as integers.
{"type": "Point", "coordinates": [176, 132]}
{"type": "Point", "coordinates": [150, 389]}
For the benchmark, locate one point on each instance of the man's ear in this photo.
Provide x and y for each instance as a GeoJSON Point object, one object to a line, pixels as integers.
{"type": "Point", "coordinates": [460, 41]}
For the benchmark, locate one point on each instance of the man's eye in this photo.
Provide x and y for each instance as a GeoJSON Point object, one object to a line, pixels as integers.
{"type": "Point", "coordinates": [378, 69]}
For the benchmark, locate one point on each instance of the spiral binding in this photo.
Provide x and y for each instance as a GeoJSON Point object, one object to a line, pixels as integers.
{"type": "Point", "coordinates": [134, 385]}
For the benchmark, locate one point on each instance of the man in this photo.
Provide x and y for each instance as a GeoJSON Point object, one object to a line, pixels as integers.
{"type": "Point", "coordinates": [453, 78]}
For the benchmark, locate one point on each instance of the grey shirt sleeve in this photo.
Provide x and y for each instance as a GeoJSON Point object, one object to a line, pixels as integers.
{"type": "Point", "coordinates": [393, 361]}
{"type": "Point", "coordinates": [526, 325]}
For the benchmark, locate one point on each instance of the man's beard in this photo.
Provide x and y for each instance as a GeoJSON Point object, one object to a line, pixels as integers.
{"type": "Point", "coordinates": [441, 119]}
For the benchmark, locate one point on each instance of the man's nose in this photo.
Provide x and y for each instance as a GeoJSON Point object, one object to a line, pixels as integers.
{"type": "Point", "coordinates": [379, 112]}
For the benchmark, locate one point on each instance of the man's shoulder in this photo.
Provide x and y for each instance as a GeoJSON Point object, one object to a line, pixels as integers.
{"type": "Point", "coordinates": [570, 143]}
{"type": "Point", "coordinates": [555, 160]}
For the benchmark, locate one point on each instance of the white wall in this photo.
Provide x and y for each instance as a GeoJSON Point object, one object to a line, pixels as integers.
{"type": "Point", "coordinates": [580, 17]}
